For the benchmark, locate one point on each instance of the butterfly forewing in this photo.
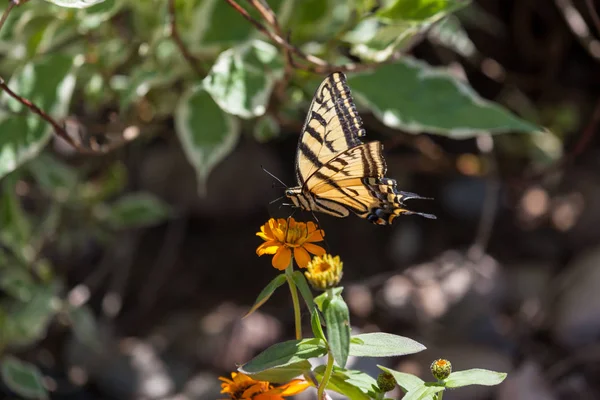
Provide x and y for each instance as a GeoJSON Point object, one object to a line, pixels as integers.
{"type": "Point", "coordinates": [332, 126]}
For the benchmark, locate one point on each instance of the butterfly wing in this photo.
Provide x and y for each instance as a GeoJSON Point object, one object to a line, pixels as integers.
{"type": "Point", "coordinates": [355, 180]}
{"type": "Point", "coordinates": [332, 126]}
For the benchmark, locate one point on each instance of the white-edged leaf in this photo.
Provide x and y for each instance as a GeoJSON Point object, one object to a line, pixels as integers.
{"type": "Point", "coordinates": [451, 34]}
{"type": "Point", "coordinates": [49, 84]}
{"type": "Point", "coordinates": [415, 97]}
{"type": "Point", "coordinates": [23, 378]}
{"type": "Point", "coordinates": [378, 36]}
{"type": "Point", "coordinates": [242, 78]}
{"type": "Point", "coordinates": [207, 133]}
{"type": "Point", "coordinates": [75, 3]}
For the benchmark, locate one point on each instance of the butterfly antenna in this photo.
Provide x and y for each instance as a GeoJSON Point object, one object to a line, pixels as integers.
{"type": "Point", "coordinates": [274, 177]}
{"type": "Point", "coordinates": [277, 199]}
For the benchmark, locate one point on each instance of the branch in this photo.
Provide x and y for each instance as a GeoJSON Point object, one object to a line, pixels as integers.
{"type": "Point", "coordinates": [315, 64]}
{"type": "Point", "coordinates": [6, 12]}
{"type": "Point", "coordinates": [193, 61]}
{"type": "Point", "coordinates": [594, 14]}
{"type": "Point", "coordinates": [579, 28]}
{"type": "Point", "coordinates": [60, 131]}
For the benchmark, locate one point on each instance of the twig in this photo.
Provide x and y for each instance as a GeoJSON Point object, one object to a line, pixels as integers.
{"type": "Point", "coordinates": [594, 14]}
{"type": "Point", "coordinates": [11, 4]}
{"type": "Point", "coordinates": [179, 42]}
{"type": "Point", "coordinates": [579, 27]}
{"type": "Point", "coordinates": [315, 64]}
{"type": "Point", "coordinates": [60, 131]}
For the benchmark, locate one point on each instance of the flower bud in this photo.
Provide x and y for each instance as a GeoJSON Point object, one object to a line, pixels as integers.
{"type": "Point", "coordinates": [324, 272]}
{"type": "Point", "coordinates": [441, 369]}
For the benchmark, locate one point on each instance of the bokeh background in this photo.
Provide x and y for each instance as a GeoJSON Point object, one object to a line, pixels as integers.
{"type": "Point", "coordinates": [506, 278]}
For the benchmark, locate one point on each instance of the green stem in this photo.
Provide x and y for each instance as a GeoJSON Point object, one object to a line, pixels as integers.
{"type": "Point", "coordinates": [440, 395]}
{"type": "Point", "coordinates": [294, 291]}
{"type": "Point", "coordinates": [326, 376]}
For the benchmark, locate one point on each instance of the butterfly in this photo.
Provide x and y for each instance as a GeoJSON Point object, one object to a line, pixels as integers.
{"type": "Point", "coordinates": [337, 173]}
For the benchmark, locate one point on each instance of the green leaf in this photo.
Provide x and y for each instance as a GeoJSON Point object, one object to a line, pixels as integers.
{"type": "Point", "coordinates": [423, 393]}
{"type": "Point", "coordinates": [415, 97]}
{"type": "Point", "coordinates": [84, 326]}
{"type": "Point", "coordinates": [53, 176]}
{"type": "Point", "coordinates": [265, 129]}
{"type": "Point", "coordinates": [315, 324]}
{"type": "Point", "coordinates": [243, 77]}
{"type": "Point", "coordinates": [323, 297]}
{"type": "Point", "coordinates": [355, 385]}
{"type": "Point", "coordinates": [207, 133]}
{"type": "Point", "coordinates": [282, 374]}
{"type": "Point", "coordinates": [406, 381]}
{"type": "Point", "coordinates": [111, 182]}
{"type": "Point", "coordinates": [285, 353]}
{"type": "Point", "coordinates": [75, 3]}
{"type": "Point", "coordinates": [302, 284]}
{"type": "Point", "coordinates": [418, 10]}
{"type": "Point", "coordinates": [27, 321]}
{"type": "Point", "coordinates": [474, 376]}
{"type": "Point", "coordinates": [337, 318]}
{"type": "Point", "coordinates": [266, 293]}
{"type": "Point", "coordinates": [380, 344]}
{"type": "Point", "coordinates": [49, 84]}
{"type": "Point", "coordinates": [137, 210]}
{"type": "Point", "coordinates": [215, 23]}
{"type": "Point", "coordinates": [23, 378]}
{"type": "Point", "coordinates": [17, 282]}
{"type": "Point", "coordinates": [15, 226]}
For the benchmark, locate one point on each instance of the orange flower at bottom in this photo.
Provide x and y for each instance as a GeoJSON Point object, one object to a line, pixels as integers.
{"type": "Point", "coordinates": [242, 387]}
{"type": "Point", "coordinates": [282, 237]}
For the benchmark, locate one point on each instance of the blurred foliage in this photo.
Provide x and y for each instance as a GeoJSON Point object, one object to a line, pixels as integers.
{"type": "Point", "coordinates": [81, 60]}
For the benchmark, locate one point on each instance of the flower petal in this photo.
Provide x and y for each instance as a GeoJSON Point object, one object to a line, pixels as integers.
{"type": "Point", "coordinates": [293, 387]}
{"type": "Point", "coordinates": [316, 236]}
{"type": "Point", "coordinates": [276, 228]}
{"type": "Point", "coordinates": [301, 256]}
{"type": "Point", "coordinates": [269, 247]}
{"type": "Point", "coordinates": [282, 258]}
{"type": "Point", "coordinates": [314, 249]}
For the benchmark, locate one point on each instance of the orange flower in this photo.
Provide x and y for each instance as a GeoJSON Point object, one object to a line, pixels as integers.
{"type": "Point", "coordinates": [242, 387]}
{"type": "Point", "coordinates": [284, 236]}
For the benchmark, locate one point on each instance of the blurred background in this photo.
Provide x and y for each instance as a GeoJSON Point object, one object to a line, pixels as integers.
{"type": "Point", "coordinates": [126, 274]}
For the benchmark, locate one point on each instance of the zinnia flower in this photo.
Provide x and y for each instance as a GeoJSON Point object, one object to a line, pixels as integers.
{"type": "Point", "coordinates": [324, 272]}
{"type": "Point", "coordinates": [243, 387]}
{"type": "Point", "coordinates": [284, 236]}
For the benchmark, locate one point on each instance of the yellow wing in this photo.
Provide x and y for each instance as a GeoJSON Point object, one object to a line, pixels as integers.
{"type": "Point", "coordinates": [355, 180]}
{"type": "Point", "coordinates": [332, 126]}
{"type": "Point", "coordinates": [336, 172]}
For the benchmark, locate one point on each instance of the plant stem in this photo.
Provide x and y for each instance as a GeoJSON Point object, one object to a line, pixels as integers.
{"type": "Point", "coordinates": [440, 395]}
{"type": "Point", "coordinates": [298, 322]}
{"type": "Point", "coordinates": [326, 376]}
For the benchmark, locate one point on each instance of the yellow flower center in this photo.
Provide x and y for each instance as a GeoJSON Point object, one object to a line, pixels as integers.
{"type": "Point", "coordinates": [323, 267]}
{"type": "Point", "coordinates": [295, 237]}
